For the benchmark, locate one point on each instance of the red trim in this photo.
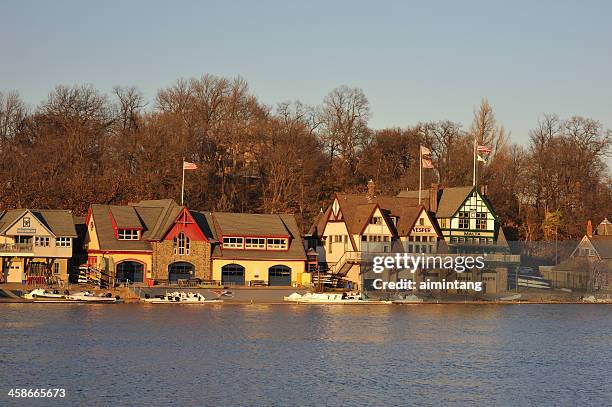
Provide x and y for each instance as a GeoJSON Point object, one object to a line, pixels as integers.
{"type": "Point", "coordinates": [97, 251]}
{"type": "Point", "coordinates": [251, 259]}
{"type": "Point", "coordinates": [113, 223]}
{"type": "Point", "coordinates": [88, 217]}
{"type": "Point", "coordinates": [184, 222]}
{"type": "Point", "coordinates": [260, 236]}
{"type": "Point", "coordinates": [433, 224]}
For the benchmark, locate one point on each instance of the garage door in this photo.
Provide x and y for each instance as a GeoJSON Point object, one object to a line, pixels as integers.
{"type": "Point", "coordinates": [232, 274]}
{"type": "Point", "coordinates": [279, 275]}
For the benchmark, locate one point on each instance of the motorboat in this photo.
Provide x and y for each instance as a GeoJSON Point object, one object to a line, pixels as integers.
{"type": "Point", "coordinates": [330, 298]}
{"type": "Point", "coordinates": [88, 296]}
{"type": "Point", "coordinates": [42, 294]}
{"type": "Point", "coordinates": [179, 297]}
{"type": "Point", "coordinates": [408, 299]}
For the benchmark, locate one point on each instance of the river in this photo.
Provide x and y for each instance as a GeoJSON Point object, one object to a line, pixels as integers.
{"type": "Point", "coordinates": [300, 355]}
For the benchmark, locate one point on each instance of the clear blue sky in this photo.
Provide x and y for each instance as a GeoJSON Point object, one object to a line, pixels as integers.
{"type": "Point", "coordinates": [416, 61]}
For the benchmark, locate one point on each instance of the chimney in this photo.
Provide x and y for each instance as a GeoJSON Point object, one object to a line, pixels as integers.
{"type": "Point", "coordinates": [370, 193]}
{"type": "Point", "coordinates": [433, 198]}
{"type": "Point", "coordinates": [589, 231]}
{"type": "Point", "coordinates": [484, 190]}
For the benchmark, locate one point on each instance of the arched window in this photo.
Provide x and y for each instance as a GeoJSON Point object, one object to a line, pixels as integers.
{"type": "Point", "coordinates": [181, 244]}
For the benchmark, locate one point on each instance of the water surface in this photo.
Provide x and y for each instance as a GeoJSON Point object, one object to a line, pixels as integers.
{"type": "Point", "coordinates": [300, 355]}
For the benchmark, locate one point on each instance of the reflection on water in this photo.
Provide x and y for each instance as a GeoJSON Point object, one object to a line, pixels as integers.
{"type": "Point", "coordinates": [308, 355]}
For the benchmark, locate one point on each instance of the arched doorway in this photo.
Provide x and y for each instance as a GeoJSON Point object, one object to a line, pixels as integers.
{"type": "Point", "coordinates": [181, 270]}
{"type": "Point", "coordinates": [279, 275]}
{"type": "Point", "coordinates": [131, 271]}
{"type": "Point", "coordinates": [232, 274]}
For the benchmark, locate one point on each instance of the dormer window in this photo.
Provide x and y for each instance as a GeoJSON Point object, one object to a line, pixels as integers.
{"type": "Point", "coordinates": [277, 244]}
{"type": "Point", "coordinates": [128, 234]}
{"type": "Point", "coordinates": [255, 243]}
{"type": "Point", "coordinates": [233, 243]}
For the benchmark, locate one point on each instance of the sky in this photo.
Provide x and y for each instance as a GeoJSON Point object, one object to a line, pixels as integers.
{"type": "Point", "coordinates": [415, 61]}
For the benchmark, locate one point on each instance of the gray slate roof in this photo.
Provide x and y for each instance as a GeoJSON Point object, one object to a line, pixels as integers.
{"type": "Point", "coordinates": [58, 221]}
{"type": "Point", "coordinates": [244, 224]}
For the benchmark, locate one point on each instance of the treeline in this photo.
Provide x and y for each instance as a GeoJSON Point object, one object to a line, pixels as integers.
{"type": "Point", "coordinates": [82, 146]}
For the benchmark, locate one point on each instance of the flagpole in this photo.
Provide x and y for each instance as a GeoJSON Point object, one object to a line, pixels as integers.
{"type": "Point", "coordinates": [474, 179]}
{"type": "Point", "coordinates": [420, 171]}
{"type": "Point", "coordinates": [183, 182]}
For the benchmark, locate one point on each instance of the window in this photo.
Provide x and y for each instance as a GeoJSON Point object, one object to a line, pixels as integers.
{"type": "Point", "coordinates": [128, 234]}
{"type": "Point", "coordinates": [182, 245]}
{"type": "Point", "coordinates": [255, 243]}
{"type": "Point", "coordinates": [91, 225]}
{"type": "Point", "coordinates": [464, 220]}
{"type": "Point", "coordinates": [41, 241]}
{"type": "Point", "coordinates": [277, 244]}
{"type": "Point", "coordinates": [376, 220]}
{"type": "Point", "coordinates": [56, 268]}
{"type": "Point", "coordinates": [409, 248]}
{"type": "Point", "coordinates": [481, 220]}
{"type": "Point", "coordinates": [442, 223]}
{"type": "Point", "coordinates": [63, 242]}
{"type": "Point", "coordinates": [421, 222]}
{"type": "Point", "coordinates": [233, 242]}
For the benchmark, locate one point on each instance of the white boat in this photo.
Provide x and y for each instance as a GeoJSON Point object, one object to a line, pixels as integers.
{"type": "Point", "coordinates": [409, 299]}
{"type": "Point", "coordinates": [41, 294]}
{"type": "Point", "coordinates": [179, 297]}
{"type": "Point", "coordinates": [330, 298]}
{"type": "Point", "coordinates": [88, 296]}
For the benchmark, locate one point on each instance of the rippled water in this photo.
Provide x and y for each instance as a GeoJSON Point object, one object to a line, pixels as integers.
{"type": "Point", "coordinates": [297, 355]}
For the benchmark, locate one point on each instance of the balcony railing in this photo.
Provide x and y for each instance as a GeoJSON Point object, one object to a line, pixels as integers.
{"type": "Point", "coordinates": [16, 247]}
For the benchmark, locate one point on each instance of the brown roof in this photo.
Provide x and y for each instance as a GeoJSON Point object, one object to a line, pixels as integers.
{"type": "Point", "coordinates": [58, 221]}
{"type": "Point", "coordinates": [154, 217]}
{"type": "Point", "coordinates": [245, 224]}
{"type": "Point", "coordinates": [603, 245]}
{"type": "Point", "coordinates": [358, 208]}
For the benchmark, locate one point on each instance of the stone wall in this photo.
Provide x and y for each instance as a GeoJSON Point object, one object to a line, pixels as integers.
{"type": "Point", "coordinates": [199, 256]}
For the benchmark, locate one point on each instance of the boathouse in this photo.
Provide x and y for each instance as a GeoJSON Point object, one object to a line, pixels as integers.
{"type": "Point", "coordinates": [36, 245]}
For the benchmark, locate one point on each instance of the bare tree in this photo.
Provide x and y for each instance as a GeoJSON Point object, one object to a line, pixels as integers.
{"type": "Point", "coordinates": [12, 113]}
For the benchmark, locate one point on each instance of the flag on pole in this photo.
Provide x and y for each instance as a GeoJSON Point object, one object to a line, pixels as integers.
{"type": "Point", "coordinates": [426, 161]}
{"type": "Point", "coordinates": [189, 166]}
{"type": "Point", "coordinates": [484, 149]}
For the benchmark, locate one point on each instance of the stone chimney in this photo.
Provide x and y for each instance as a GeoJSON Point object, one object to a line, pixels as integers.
{"type": "Point", "coordinates": [433, 198]}
{"type": "Point", "coordinates": [484, 190]}
{"type": "Point", "coordinates": [589, 231]}
{"type": "Point", "coordinates": [370, 193]}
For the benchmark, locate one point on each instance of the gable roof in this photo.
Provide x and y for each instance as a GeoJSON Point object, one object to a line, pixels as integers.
{"type": "Point", "coordinates": [358, 208]}
{"type": "Point", "coordinates": [153, 217]}
{"type": "Point", "coordinates": [58, 221]}
{"type": "Point", "coordinates": [603, 246]}
{"type": "Point", "coordinates": [449, 199]}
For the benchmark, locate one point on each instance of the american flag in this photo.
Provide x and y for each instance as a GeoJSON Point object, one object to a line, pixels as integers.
{"type": "Point", "coordinates": [484, 149]}
{"type": "Point", "coordinates": [189, 166]}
